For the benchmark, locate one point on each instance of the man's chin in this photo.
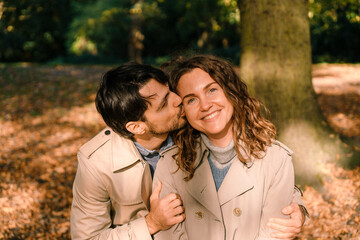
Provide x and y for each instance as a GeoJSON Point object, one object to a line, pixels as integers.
{"type": "Point", "coordinates": [180, 124]}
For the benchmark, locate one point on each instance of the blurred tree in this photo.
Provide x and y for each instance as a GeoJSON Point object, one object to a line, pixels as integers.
{"type": "Point", "coordinates": [152, 28]}
{"type": "Point", "coordinates": [276, 61]}
{"type": "Point", "coordinates": [157, 27]}
{"type": "Point", "coordinates": [200, 25]}
{"type": "Point", "coordinates": [38, 30]}
{"type": "Point", "coordinates": [335, 30]}
{"type": "Point", "coordinates": [110, 28]}
{"type": "Point", "coordinates": [33, 29]}
{"type": "Point", "coordinates": [136, 37]}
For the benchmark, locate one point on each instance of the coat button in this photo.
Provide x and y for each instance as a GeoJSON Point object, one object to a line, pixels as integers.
{"type": "Point", "coordinates": [237, 212]}
{"type": "Point", "coordinates": [107, 132]}
{"type": "Point", "coordinates": [199, 215]}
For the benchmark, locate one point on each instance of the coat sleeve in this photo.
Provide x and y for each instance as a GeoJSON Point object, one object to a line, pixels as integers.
{"type": "Point", "coordinates": [278, 189]}
{"type": "Point", "coordinates": [297, 199]}
{"type": "Point", "coordinates": [165, 176]}
{"type": "Point", "coordinates": [90, 210]}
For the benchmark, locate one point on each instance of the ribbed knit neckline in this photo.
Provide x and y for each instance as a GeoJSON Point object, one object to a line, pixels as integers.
{"type": "Point", "coordinates": [219, 155]}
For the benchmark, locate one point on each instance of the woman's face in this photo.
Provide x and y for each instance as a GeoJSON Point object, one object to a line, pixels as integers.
{"type": "Point", "coordinates": [206, 106]}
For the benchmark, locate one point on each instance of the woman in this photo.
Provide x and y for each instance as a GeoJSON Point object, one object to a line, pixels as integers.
{"type": "Point", "coordinates": [229, 170]}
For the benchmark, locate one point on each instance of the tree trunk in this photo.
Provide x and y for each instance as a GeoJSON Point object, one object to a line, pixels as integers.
{"type": "Point", "coordinates": [276, 63]}
{"type": "Point", "coordinates": [136, 37]}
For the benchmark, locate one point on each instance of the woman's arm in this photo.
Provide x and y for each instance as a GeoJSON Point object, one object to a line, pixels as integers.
{"type": "Point", "coordinates": [279, 190]}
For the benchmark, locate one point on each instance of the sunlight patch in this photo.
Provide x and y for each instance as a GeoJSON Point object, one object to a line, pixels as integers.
{"type": "Point", "coordinates": [312, 149]}
{"type": "Point", "coordinates": [19, 206]}
{"type": "Point", "coordinates": [82, 116]}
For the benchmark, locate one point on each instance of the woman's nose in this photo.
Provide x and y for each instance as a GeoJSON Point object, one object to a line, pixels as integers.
{"type": "Point", "coordinates": [205, 104]}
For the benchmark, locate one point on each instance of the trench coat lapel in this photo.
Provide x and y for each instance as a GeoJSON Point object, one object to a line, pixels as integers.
{"type": "Point", "coordinates": [120, 158]}
{"type": "Point", "coordinates": [236, 182]}
{"type": "Point", "coordinates": [202, 187]}
{"type": "Point", "coordinates": [123, 159]}
{"type": "Point", "coordinates": [146, 186]}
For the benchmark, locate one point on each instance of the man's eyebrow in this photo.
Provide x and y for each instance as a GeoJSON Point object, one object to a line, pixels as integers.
{"type": "Point", "coordinates": [163, 102]}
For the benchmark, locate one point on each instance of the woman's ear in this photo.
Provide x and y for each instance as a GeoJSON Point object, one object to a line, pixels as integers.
{"type": "Point", "coordinates": [136, 128]}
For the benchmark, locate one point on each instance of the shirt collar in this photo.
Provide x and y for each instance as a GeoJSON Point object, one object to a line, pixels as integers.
{"type": "Point", "coordinates": [148, 153]}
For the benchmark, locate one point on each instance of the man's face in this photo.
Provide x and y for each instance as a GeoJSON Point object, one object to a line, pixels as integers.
{"type": "Point", "coordinates": [164, 114]}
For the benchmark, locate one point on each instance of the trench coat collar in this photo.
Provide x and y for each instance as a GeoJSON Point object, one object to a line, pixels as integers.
{"type": "Point", "coordinates": [124, 152]}
{"type": "Point", "coordinates": [202, 186]}
{"type": "Point", "coordinates": [203, 149]}
{"type": "Point", "coordinates": [236, 182]}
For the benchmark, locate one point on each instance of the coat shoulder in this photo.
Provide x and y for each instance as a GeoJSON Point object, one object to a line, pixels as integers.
{"type": "Point", "coordinates": [277, 154]}
{"type": "Point", "coordinates": [168, 153]}
{"type": "Point", "coordinates": [167, 157]}
{"type": "Point", "coordinates": [276, 158]}
{"type": "Point", "coordinates": [89, 148]}
{"type": "Point", "coordinates": [282, 147]}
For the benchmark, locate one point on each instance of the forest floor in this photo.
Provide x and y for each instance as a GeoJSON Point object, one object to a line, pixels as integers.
{"type": "Point", "coordinates": [47, 113]}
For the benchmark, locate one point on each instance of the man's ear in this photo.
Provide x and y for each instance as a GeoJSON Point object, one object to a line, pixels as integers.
{"type": "Point", "coordinates": [136, 128]}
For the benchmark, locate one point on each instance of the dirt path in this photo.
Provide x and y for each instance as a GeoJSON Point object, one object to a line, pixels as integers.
{"type": "Point", "coordinates": [338, 90]}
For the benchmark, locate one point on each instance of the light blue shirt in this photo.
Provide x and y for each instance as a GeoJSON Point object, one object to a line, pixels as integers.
{"type": "Point", "coordinates": [153, 156]}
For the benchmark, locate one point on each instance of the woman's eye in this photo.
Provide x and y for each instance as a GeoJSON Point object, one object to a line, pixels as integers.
{"type": "Point", "coordinates": [212, 90]}
{"type": "Point", "coordinates": [191, 100]}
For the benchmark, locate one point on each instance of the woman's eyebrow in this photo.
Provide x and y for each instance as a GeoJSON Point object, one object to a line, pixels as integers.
{"type": "Point", "coordinates": [188, 95]}
{"type": "Point", "coordinates": [192, 94]}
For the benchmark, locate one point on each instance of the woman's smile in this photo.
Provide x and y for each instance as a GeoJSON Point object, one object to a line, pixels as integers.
{"type": "Point", "coordinates": [212, 115]}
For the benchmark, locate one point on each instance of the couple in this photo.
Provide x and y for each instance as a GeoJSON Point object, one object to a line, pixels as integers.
{"type": "Point", "coordinates": [222, 172]}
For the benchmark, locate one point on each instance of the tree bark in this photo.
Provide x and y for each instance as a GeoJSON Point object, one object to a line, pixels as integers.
{"type": "Point", "coordinates": [275, 61]}
{"type": "Point", "coordinates": [136, 37]}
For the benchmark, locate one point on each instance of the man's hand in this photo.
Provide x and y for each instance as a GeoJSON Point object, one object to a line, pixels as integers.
{"type": "Point", "coordinates": [164, 212]}
{"type": "Point", "coordinates": [287, 228]}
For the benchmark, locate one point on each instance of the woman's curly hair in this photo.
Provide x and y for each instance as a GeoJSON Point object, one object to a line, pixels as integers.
{"type": "Point", "coordinates": [252, 132]}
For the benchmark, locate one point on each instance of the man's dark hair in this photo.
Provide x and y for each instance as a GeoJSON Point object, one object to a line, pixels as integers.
{"type": "Point", "coordinates": [118, 99]}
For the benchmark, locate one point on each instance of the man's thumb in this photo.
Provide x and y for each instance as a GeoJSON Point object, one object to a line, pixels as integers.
{"type": "Point", "coordinates": [288, 209]}
{"type": "Point", "coordinates": [156, 191]}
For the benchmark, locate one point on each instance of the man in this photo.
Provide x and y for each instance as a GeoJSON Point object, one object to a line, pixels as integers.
{"type": "Point", "coordinates": [112, 187]}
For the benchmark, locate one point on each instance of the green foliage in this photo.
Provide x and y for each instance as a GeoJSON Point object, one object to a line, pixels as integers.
{"type": "Point", "coordinates": [335, 30]}
{"type": "Point", "coordinates": [41, 30]}
{"type": "Point", "coordinates": [33, 29]}
{"type": "Point", "coordinates": [100, 28]}
{"type": "Point", "coordinates": [200, 25]}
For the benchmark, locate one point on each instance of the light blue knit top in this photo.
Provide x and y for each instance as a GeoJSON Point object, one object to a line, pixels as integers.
{"type": "Point", "coordinates": [220, 159]}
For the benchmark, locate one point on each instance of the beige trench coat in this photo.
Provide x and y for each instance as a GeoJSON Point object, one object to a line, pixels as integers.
{"type": "Point", "coordinates": [111, 190]}
{"type": "Point", "coordinates": [249, 195]}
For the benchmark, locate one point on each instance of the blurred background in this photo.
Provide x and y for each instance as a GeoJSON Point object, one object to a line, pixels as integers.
{"type": "Point", "coordinates": [300, 58]}
{"type": "Point", "coordinates": [108, 31]}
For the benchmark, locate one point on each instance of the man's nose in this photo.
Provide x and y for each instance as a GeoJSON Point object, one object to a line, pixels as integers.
{"type": "Point", "coordinates": [176, 99]}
